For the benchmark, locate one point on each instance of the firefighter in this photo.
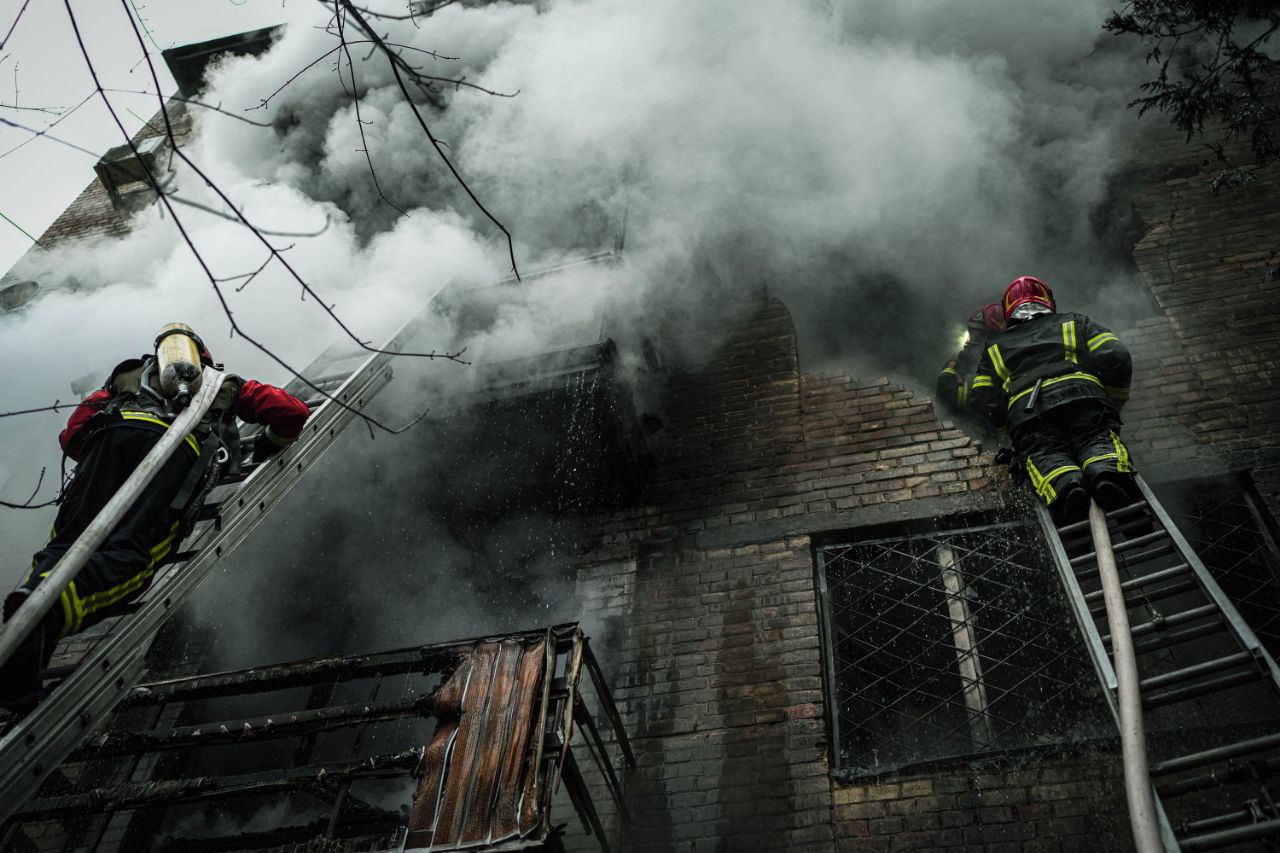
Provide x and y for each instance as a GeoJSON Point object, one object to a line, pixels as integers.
{"type": "Point", "coordinates": [108, 435]}
{"type": "Point", "coordinates": [952, 387]}
{"type": "Point", "coordinates": [1058, 382]}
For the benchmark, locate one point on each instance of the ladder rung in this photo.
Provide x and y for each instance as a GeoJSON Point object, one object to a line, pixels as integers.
{"type": "Point", "coordinates": [1174, 638]}
{"type": "Point", "coordinates": [1218, 777]}
{"type": "Point", "coordinates": [1169, 621]}
{"type": "Point", "coordinates": [1099, 610]}
{"type": "Point", "coordinates": [1121, 547]}
{"type": "Point", "coordinates": [1204, 688]}
{"type": "Point", "coordinates": [1219, 753]}
{"type": "Point", "coordinates": [1235, 835]}
{"type": "Point", "coordinates": [1154, 577]}
{"type": "Point", "coordinates": [1129, 562]}
{"type": "Point", "coordinates": [1168, 679]}
{"type": "Point", "coordinates": [1216, 822]}
{"type": "Point", "coordinates": [1068, 529]}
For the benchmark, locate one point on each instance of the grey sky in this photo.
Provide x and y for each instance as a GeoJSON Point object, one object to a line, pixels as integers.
{"type": "Point", "coordinates": [42, 58]}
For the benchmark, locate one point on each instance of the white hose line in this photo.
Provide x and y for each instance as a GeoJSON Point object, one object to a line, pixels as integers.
{"type": "Point", "coordinates": [1133, 741]}
{"type": "Point", "coordinates": [46, 594]}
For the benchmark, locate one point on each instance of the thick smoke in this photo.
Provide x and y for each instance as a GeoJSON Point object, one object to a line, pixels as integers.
{"type": "Point", "coordinates": [883, 167]}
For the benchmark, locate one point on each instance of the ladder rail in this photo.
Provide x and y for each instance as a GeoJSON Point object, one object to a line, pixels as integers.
{"type": "Point", "coordinates": [1080, 611]}
{"type": "Point", "coordinates": [44, 738]}
{"type": "Point", "coordinates": [1244, 634]}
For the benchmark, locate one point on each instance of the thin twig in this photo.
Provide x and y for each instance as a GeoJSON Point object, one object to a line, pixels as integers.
{"type": "Point", "coordinates": [192, 102]}
{"type": "Point", "coordinates": [396, 63]}
{"type": "Point", "coordinates": [14, 25]}
{"type": "Point", "coordinates": [45, 133]}
{"type": "Point", "coordinates": [204, 207]}
{"type": "Point", "coordinates": [225, 306]}
{"type": "Point", "coordinates": [355, 100]}
{"type": "Point", "coordinates": [313, 63]}
{"type": "Point", "coordinates": [27, 504]}
{"type": "Point", "coordinates": [36, 134]}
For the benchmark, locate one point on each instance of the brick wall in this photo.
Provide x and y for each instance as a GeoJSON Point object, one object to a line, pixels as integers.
{"type": "Point", "coordinates": [704, 596]}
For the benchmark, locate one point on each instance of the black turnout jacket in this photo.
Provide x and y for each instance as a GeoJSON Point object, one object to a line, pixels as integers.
{"type": "Point", "coordinates": [1050, 360]}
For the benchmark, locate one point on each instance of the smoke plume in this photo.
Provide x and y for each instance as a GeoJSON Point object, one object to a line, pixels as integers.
{"type": "Point", "coordinates": [883, 167]}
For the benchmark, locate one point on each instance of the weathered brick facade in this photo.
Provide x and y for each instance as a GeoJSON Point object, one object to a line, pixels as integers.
{"type": "Point", "coordinates": [703, 598]}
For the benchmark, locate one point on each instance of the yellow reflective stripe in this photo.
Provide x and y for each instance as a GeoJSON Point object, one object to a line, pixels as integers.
{"type": "Point", "coordinates": [1118, 393]}
{"type": "Point", "coordinates": [962, 394]}
{"type": "Point", "coordinates": [1054, 381]}
{"type": "Point", "coordinates": [142, 416]}
{"type": "Point", "coordinates": [1098, 340]}
{"type": "Point", "coordinates": [1104, 457]}
{"type": "Point", "coordinates": [982, 381]}
{"type": "Point", "coordinates": [1069, 341]}
{"type": "Point", "coordinates": [1043, 484]}
{"type": "Point", "coordinates": [997, 361]}
{"type": "Point", "coordinates": [949, 371]}
{"type": "Point", "coordinates": [1122, 455]}
{"type": "Point", "coordinates": [115, 594]}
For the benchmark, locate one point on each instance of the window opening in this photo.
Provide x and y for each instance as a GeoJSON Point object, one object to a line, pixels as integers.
{"type": "Point", "coordinates": [948, 644]}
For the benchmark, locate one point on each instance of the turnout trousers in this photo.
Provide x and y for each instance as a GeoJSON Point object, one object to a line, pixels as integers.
{"type": "Point", "coordinates": [1076, 443]}
{"type": "Point", "coordinates": [122, 567]}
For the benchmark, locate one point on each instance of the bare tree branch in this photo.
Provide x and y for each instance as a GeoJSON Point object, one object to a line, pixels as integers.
{"type": "Point", "coordinates": [226, 308]}
{"type": "Point", "coordinates": [355, 100]}
{"type": "Point", "coordinates": [27, 504]}
{"type": "Point", "coordinates": [193, 103]}
{"type": "Point", "coordinates": [14, 25]}
{"type": "Point", "coordinates": [397, 63]}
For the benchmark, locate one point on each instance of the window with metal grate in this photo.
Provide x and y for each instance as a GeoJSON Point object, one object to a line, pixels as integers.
{"type": "Point", "coordinates": [948, 644]}
{"type": "Point", "coordinates": [1222, 519]}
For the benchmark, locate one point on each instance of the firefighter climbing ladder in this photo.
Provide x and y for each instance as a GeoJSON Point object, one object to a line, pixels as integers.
{"type": "Point", "coordinates": [30, 750]}
{"type": "Point", "coordinates": [351, 377]}
{"type": "Point", "coordinates": [1202, 669]}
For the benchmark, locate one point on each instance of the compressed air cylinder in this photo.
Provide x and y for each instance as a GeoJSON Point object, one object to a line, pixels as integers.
{"type": "Point", "coordinates": [178, 362]}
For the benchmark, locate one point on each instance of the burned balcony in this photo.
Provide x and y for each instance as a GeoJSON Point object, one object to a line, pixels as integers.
{"type": "Point", "coordinates": [556, 432]}
{"type": "Point", "coordinates": [444, 747]}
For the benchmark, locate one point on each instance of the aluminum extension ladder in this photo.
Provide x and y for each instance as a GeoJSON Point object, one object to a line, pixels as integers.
{"type": "Point", "coordinates": [1210, 692]}
{"type": "Point", "coordinates": [32, 748]}
{"type": "Point", "coordinates": [82, 700]}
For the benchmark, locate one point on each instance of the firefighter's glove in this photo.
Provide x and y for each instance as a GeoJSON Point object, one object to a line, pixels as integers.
{"type": "Point", "coordinates": [1005, 456]}
{"type": "Point", "coordinates": [264, 448]}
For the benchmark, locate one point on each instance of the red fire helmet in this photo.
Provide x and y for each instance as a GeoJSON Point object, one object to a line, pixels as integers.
{"type": "Point", "coordinates": [1026, 289]}
{"type": "Point", "coordinates": [989, 318]}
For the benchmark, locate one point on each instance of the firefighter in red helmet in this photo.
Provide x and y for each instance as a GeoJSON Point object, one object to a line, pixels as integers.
{"type": "Point", "coordinates": [108, 435]}
{"type": "Point", "coordinates": [1058, 382]}
{"type": "Point", "coordinates": [952, 387]}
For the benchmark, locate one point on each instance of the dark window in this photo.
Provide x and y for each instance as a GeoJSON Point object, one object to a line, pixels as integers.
{"type": "Point", "coordinates": [949, 644]}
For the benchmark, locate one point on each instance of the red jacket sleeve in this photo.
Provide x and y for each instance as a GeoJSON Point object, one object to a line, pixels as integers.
{"type": "Point", "coordinates": [72, 438]}
{"type": "Point", "coordinates": [284, 414]}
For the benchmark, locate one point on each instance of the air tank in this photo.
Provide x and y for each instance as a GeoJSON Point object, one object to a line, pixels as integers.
{"type": "Point", "coordinates": [178, 362]}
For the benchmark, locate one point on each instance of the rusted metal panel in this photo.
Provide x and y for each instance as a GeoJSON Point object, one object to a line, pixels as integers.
{"type": "Point", "coordinates": [505, 813]}
{"type": "Point", "coordinates": [481, 762]}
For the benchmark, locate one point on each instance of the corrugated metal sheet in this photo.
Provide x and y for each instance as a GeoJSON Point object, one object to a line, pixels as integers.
{"type": "Point", "coordinates": [480, 774]}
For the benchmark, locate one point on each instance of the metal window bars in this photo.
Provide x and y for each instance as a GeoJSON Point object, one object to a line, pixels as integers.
{"type": "Point", "coordinates": [503, 711]}
{"type": "Point", "coordinates": [950, 644]}
{"type": "Point", "coordinates": [1223, 523]}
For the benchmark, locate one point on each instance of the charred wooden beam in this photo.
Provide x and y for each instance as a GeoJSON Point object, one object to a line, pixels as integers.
{"type": "Point", "coordinates": [284, 725]}
{"type": "Point", "coordinates": [427, 659]}
{"type": "Point", "coordinates": [171, 791]}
